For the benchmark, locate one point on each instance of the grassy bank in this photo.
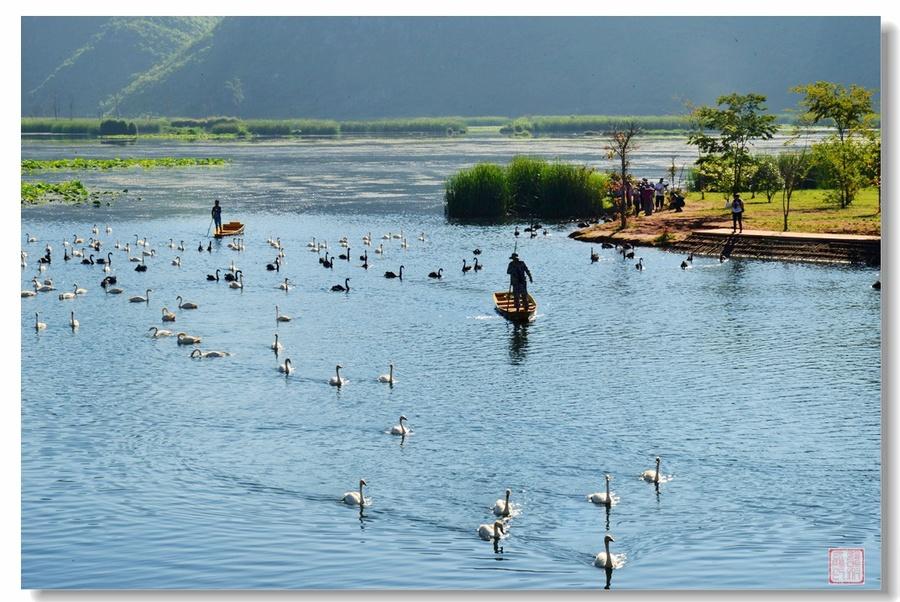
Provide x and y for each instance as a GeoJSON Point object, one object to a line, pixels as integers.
{"type": "Point", "coordinates": [810, 212]}
{"type": "Point", "coordinates": [30, 165]}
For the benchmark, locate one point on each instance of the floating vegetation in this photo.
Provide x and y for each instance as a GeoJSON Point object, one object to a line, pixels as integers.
{"type": "Point", "coordinates": [29, 165]}
{"type": "Point", "coordinates": [71, 192]}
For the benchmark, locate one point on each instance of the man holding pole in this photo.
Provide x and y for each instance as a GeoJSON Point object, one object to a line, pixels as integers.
{"type": "Point", "coordinates": [217, 215]}
{"type": "Point", "coordinates": [517, 271]}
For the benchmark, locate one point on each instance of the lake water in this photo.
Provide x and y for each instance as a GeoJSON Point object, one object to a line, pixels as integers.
{"type": "Point", "coordinates": [758, 383]}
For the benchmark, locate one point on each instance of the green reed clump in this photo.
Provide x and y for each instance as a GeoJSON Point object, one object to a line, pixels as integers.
{"type": "Point", "coordinates": [46, 125]}
{"type": "Point", "coordinates": [527, 188]}
{"type": "Point", "coordinates": [477, 192]}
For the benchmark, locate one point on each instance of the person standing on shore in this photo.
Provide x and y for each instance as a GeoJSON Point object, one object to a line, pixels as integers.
{"type": "Point", "coordinates": [217, 215]}
{"type": "Point", "coordinates": [737, 213]}
{"type": "Point", "coordinates": [660, 188]}
{"type": "Point", "coordinates": [517, 271]}
{"type": "Point", "coordinates": [647, 197]}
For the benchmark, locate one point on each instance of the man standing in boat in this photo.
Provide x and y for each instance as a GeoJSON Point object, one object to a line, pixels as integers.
{"type": "Point", "coordinates": [517, 271]}
{"type": "Point", "coordinates": [217, 215]}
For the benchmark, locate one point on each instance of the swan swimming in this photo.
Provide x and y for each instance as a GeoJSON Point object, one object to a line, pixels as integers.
{"type": "Point", "coordinates": [355, 498]}
{"type": "Point", "coordinates": [287, 367]}
{"type": "Point", "coordinates": [160, 332]}
{"type": "Point", "coordinates": [603, 498]}
{"type": "Point", "coordinates": [185, 304]}
{"type": "Point", "coordinates": [501, 507]}
{"type": "Point", "coordinates": [139, 299]}
{"type": "Point", "coordinates": [197, 354]}
{"type": "Point", "coordinates": [491, 532]}
{"type": "Point", "coordinates": [276, 346]}
{"type": "Point", "coordinates": [607, 560]}
{"type": "Point", "coordinates": [400, 429]}
{"type": "Point", "coordinates": [337, 381]}
{"type": "Point", "coordinates": [279, 317]}
{"type": "Point", "coordinates": [389, 377]}
{"type": "Point", "coordinates": [650, 474]}
{"type": "Point", "coordinates": [167, 316]}
{"type": "Point", "coordinates": [38, 325]}
{"type": "Point", "coordinates": [73, 323]}
{"type": "Point", "coordinates": [187, 339]}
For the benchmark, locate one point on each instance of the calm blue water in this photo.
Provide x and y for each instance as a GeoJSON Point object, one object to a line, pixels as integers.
{"type": "Point", "coordinates": [757, 382]}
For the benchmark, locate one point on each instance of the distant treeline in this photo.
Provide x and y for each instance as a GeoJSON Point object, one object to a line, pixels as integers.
{"type": "Point", "coordinates": [526, 188]}
{"type": "Point", "coordinates": [538, 125]}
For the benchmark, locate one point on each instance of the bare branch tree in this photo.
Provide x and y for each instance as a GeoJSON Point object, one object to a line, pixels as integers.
{"type": "Point", "coordinates": [620, 144]}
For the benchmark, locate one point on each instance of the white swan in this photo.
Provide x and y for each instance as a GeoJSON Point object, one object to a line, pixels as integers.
{"type": "Point", "coordinates": [196, 353]}
{"type": "Point", "coordinates": [80, 291]}
{"type": "Point", "coordinates": [139, 299]}
{"type": "Point", "coordinates": [607, 560]}
{"type": "Point", "coordinates": [38, 325]}
{"type": "Point", "coordinates": [171, 244]}
{"type": "Point", "coordinates": [284, 285]}
{"type": "Point", "coordinates": [355, 498]}
{"type": "Point", "coordinates": [185, 304]}
{"type": "Point", "coordinates": [400, 429]}
{"type": "Point", "coordinates": [239, 283]}
{"type": "Point", "coordinates": [42, 288]}
{"type": "Point", "coordinates": [181, 246]}
{"type": "Point", "coordinates": [65, 296]}
{"type": "Point", "coordinates": [187, 339]}
{"type": "Point", "coordinates": [389, 377]}
{"type": "Point", "coordinates": [491, 532]}
{"type": "Point", "coordinates": [287, 367]}
{"type": "Point", "coordinates": [502, 507]}
{"type": "Point", "coordinates": [650, 474]}
{"type": "Point", "coordinates": [177, 262]}
{"type": "Point", "coordinates": [603, 498]}
{"type": "Point", "coordinates": [279, 317]}
{"type": "Point", "coordinates": [276, 346]}
{"type": "Point", "coordinates": [95, 230]}
{"type": "Point", "coordinates": [337, 381]}
{"type": "Point", "coordinates": [167, 316]}
{"type": "Point", "coordinates": [160, 332]}
{"type": "Point", "coordinates": [380, 249]}
{"type": "Point", "coordinates": [73, 323]}
{"type": "Point", "coordinates": [26, 293]}
{"type": "Point", "coordinates": [109, 229]}
{"type": "Point", "coordinates": [30, 238]}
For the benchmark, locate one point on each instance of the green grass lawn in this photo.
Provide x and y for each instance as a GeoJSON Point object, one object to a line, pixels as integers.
{"type": "Point", "coordinates": [810, 212]}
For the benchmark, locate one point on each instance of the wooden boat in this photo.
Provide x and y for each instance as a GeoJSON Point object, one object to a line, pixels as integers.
{"type": "Point", "coordinates": [230, 229]}
{"type": "Point", "coordinates": [506, 307]}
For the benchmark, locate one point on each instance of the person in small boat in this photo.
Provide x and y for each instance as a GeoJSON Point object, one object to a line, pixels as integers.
{"type": "Point", "coordinates": [217, 215]}
{"type": "Point", "coordinates": [517, 271]}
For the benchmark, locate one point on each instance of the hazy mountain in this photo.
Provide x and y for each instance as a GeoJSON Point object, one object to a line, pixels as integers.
{"type": "Point", "coordinates": [382, 67]}
{"type": "Point", "coordinates": [73, 64]}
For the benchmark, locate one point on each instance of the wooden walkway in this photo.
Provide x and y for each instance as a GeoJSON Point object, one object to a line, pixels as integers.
{"type": "Point", "coordinates": [785, 246]}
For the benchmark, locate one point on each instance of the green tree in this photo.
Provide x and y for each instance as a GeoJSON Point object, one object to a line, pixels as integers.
{"type": "Point", "coordinates": [620, 143]}
{"type": "Point", "coordinates": [766, 177]}
{"type": "Point", "coordinates": [728, 130]}
{"type": "Point", "coordinates": [841, 155]}
{"type": "Point", "coordinates": [872, 164]}
{"type": "Point", "coordinates": [792, 167]}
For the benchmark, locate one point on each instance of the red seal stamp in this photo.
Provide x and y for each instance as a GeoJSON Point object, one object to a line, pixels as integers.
{"type": "Point", "coordinates": [846, 566]}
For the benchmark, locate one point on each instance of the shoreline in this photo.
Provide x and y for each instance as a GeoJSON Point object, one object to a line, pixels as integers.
{"type": "Point", "coordinates": [812, 247]}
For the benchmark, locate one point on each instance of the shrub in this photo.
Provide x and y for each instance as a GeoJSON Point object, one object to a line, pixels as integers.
{"type": "Point", "coordinates": [478, 192]}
